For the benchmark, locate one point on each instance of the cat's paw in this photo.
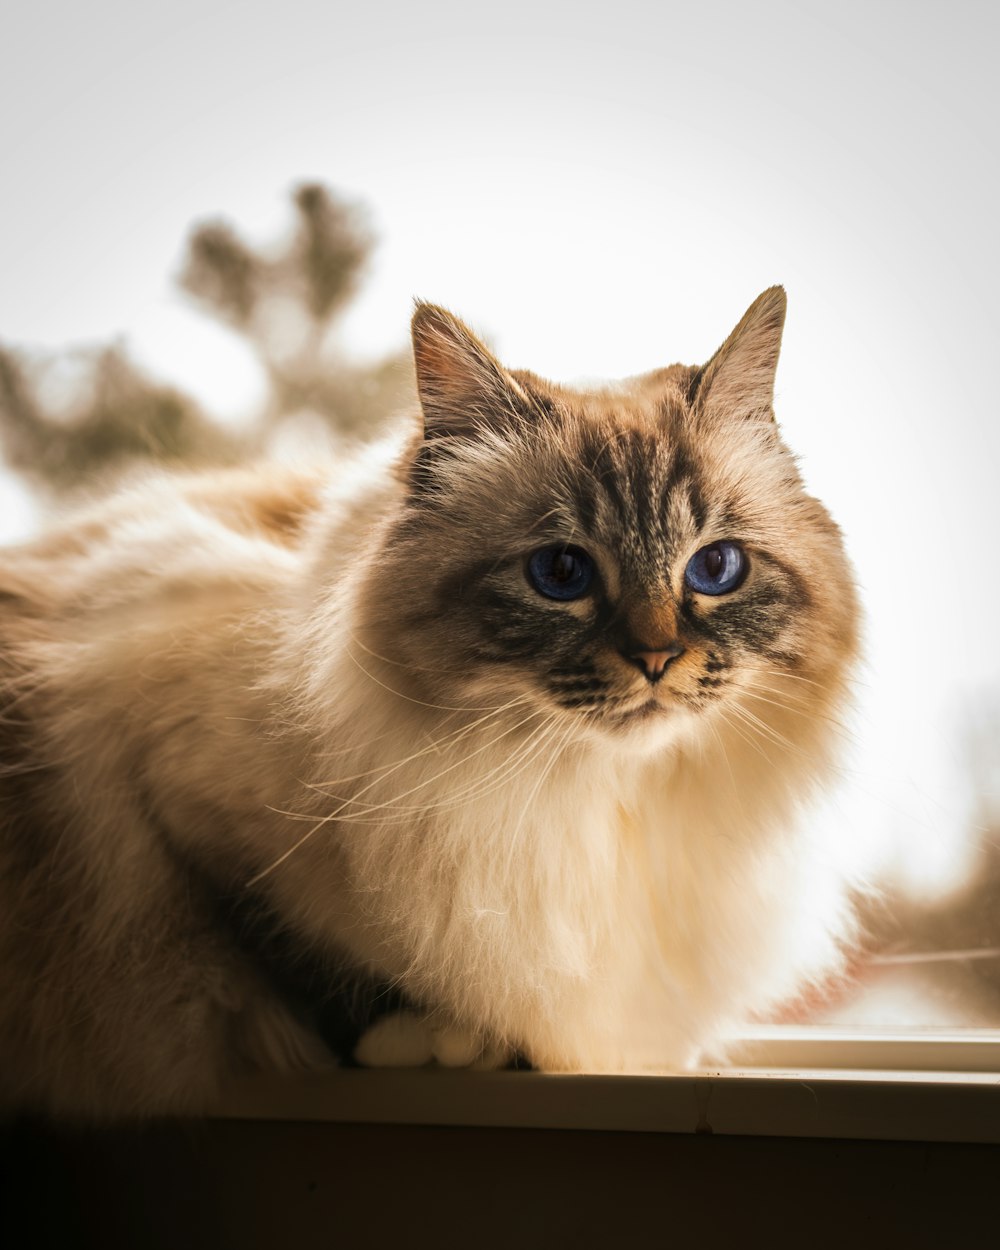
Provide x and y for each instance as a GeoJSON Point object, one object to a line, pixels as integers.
{"type": "Point", "coordinates": [402, 1040]}
{"type": "Point", "coordinates": [455, 1047]}
{"type": "Point", "coordinates": [407, 1040]}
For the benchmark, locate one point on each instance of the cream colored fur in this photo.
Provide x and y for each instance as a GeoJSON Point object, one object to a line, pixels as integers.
{"type": "Point", "coordinates": [205, 671]}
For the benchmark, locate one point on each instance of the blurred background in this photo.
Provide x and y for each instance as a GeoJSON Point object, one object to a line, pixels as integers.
{"type": "Point", "coordinates": [215, 217]}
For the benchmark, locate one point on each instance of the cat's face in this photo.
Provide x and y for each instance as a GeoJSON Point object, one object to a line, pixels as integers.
{"type": "Point", "coordinates": [626, 561]}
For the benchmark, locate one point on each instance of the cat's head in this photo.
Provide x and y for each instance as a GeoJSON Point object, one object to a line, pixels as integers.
{"type": "Point", "coordinates": [630, 558]}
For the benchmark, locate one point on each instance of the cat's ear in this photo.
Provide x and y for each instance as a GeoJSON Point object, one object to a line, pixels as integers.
{"type": "Point", "coordinates": [739, 379]}
{"type": "Point", "coordinates": [462, 387]}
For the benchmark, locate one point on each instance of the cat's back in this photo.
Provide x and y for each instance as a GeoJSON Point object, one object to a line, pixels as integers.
{"type": "Point", "coordinates": [166, 535]}
{"type": "Point", "coordinates": [145, 629]}
{"type": "Point", "coordinates": [134, 624]}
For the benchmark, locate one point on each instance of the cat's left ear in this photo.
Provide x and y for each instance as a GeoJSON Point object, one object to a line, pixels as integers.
{"type": "Point", "coordinates": [738, 382]}
{"type": "Point", "coordinates": [463, 388]}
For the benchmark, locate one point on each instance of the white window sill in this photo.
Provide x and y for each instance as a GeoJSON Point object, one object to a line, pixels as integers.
{"type": "Point", "coordinates": [930, 1087]}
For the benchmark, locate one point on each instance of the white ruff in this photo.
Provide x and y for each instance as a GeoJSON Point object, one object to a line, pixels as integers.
{"type": "Point", "coordinates": [597, 911]}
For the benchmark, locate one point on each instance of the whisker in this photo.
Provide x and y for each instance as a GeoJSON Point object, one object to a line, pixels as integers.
{"type": "Point", "coordinates": [728, 763]}
{"type": "Point", "coordinates": [805, 713]}
{"type": "Point", "coordinates": [740, 733]}
{"type": "Point", "coordinates": [783, 673]}
{"type": "Point", "coordinates": [510, 766]}
{"type": "Point", "coordinates": [438, 707]}
{"type": "Point", "coordinates": [414, 668]}
{"type": "Point", "coordinates": [325, 820]}
{"type": "Point", "coordinates": [763, 728]}
{"type": "Point", "coordinates": [495, 780]}
{"type": "Point", "coordinates": [434, 746]}
{"type": "Point", "coordinates": [458, 796]}
{"type": "Point", "coordinates": [437, 776]}
{"type": "Point", "coordinates": [557, 752]}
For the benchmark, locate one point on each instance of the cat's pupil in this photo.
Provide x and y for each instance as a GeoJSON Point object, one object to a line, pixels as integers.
{"type": "Point", "coordinates": [563, 568]}
{"type": "Point", "coordinates": [713, 561]}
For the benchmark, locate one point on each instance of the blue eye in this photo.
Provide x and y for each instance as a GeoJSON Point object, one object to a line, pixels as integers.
{"type": "Point", "coordinates": [717, 569]}
{"type": "Point", "coordinates": [561, 572]}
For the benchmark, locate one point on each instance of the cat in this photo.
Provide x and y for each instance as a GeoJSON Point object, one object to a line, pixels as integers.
{"type": "Point", "coordinates": [491, 742]}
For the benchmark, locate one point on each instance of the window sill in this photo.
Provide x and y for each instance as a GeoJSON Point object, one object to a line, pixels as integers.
{"type": "Point", "coordinates": [927, 1088]}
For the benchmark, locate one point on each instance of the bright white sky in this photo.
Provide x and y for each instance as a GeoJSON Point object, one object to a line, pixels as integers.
{"type": "Point", "coordinates": [601, 189]}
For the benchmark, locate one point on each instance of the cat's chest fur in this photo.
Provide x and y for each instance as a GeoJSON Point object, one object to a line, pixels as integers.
{"type": "Point", "coordinates": [583, 911]}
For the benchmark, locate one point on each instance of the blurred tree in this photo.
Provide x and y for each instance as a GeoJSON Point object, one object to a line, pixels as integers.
{"type": "Point", "coordinates": [113, 416]}
{"type": "Point", "coordinates": [947, 943]}
{"type": "Point", "coordinates": [80, 417]}
{"type": "Point", "coordinates": [966, 918]}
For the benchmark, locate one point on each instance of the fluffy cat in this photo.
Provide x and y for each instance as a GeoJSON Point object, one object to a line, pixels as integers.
{"type": "Point", "coordinates": [507, 721]}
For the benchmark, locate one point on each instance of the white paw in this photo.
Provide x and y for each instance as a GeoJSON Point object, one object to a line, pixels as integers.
{"type": "Point", "coordinates": [406, 1040]}
{"type": "Point", "coordinates": [455, 1047]}
{"type": "Point", "coordinates": [403, 1040]}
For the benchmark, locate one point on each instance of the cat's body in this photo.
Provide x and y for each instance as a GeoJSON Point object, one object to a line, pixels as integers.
{"type": "Point", "coordinates": [560, 823]}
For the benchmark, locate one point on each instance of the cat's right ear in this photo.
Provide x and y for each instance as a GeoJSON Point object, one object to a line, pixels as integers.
{"type": "Point", "coordinates": [463, 389]}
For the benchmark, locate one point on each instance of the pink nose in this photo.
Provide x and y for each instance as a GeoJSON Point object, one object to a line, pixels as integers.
{"type": "Point", "coordinates": [654, 663]}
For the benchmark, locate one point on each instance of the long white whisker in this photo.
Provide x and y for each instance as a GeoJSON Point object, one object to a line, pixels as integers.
{"type": "Point", "coordinates": [725, 758]}
{"type": "Point", "coordinates": [395, 806]}
{"type": "Point", "coordinates": [432, 748]}
{"type": "Point", "coordinates": [413, 668]}
{"type": "Point", "coordinates": [438, 707]}
{"type": "Point", "coordinates": [805, 712]}
{"type": "Point", "coordinates": [761, 727]}
{"type": "Point", "coordinates": [376, 807]}
{"type": "Point", "coordinates": [731, 725]}
{"type": "Point", "coordinates": [494, 780]}
{"type": "Point", "coordinates": [556, 753]}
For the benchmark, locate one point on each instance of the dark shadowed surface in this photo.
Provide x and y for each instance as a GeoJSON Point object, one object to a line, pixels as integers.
{"type": "Point", "coordinates": [252, 1185]}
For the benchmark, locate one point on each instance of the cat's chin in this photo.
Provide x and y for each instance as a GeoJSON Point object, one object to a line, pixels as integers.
{"type": "Point", "coordinates": [645, 713]}
{"type": "Point", "coordinates": [645, 730]}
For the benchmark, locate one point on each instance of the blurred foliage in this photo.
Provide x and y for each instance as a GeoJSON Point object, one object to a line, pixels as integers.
{"type": "Point", "coordinates": [966, 919]}
{"type": "Point", "coordinates": [928, 956]}
{"type": "Point", "coordinates": [968, 916]}
{"type": "Point", "coordinates": [115, 415]}
{"type": "Point", "coordinates": [82, 416]}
